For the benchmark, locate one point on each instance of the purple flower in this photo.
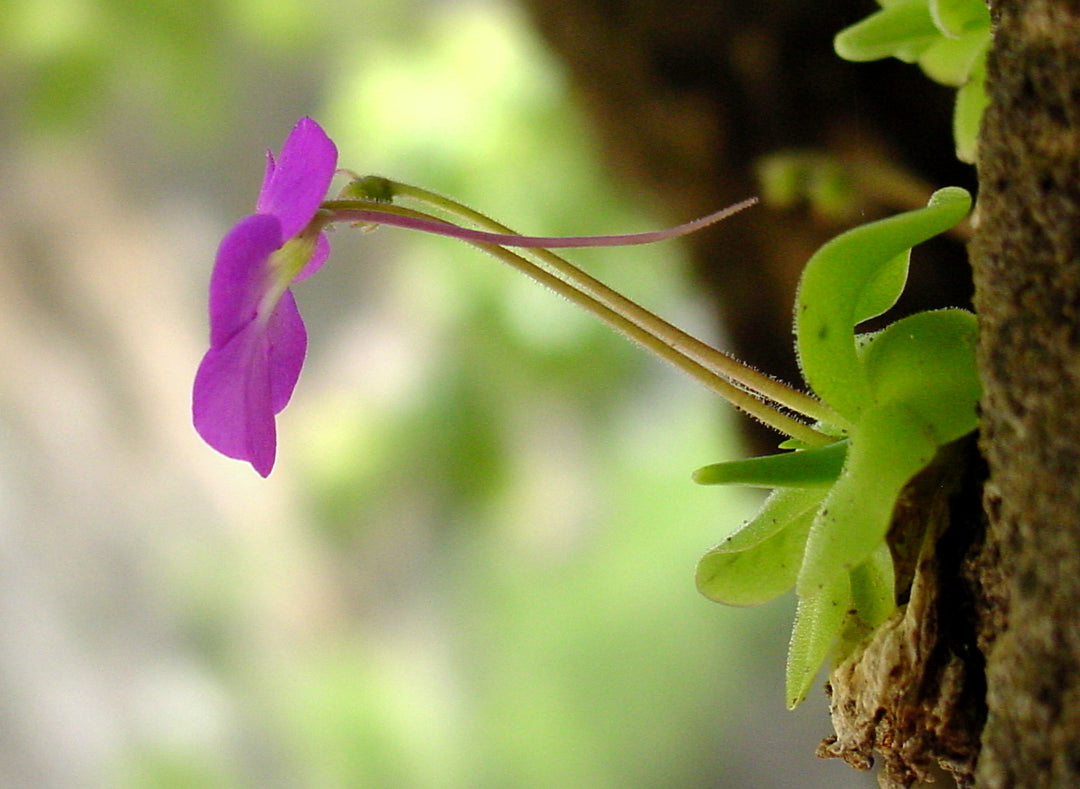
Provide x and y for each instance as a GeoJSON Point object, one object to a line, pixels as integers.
{"type": "Point", "coordinates": [257, 338]}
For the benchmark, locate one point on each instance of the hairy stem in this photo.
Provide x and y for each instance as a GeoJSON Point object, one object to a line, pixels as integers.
{"type": "Point", "coordinates": [712, 359]}
{"type": "Point", "coordinates": [737, 396]}
{"type": "Point", "coordinates": [743, 386]}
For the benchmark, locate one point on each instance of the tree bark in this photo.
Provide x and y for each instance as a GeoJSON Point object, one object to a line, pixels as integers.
{"type": "Point", "coordinates": [1026, 258]}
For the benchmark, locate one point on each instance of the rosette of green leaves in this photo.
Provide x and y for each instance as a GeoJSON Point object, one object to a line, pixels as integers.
{"type": "Point", "coordinates": [947, 38]}
{"type": "Point", "coordinates": [899, 395]}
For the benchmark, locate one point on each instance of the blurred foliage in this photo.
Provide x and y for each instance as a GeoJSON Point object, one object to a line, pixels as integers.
{"type": "Point", "coordinates": [478, 566]}
{"type": "Point", "coordinates": [179, 63]}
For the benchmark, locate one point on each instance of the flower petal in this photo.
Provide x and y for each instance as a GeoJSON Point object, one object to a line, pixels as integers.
{"type": "Point", "coordinates": [296, 183]}
{"type": "Point", "coordinates": [240, 386]}
{"type": "Point", "coordinates": [231, 401]}
{"type": "Point", "coordinates": [287, 340]}
{"type": "Point", "coordinates": [241, 276]}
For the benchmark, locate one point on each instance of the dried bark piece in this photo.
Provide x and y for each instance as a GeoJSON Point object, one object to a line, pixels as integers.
{"type": "Point", "coordinates": [914, 695]}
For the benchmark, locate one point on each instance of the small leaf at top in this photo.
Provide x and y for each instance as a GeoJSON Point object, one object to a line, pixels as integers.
{"type": "Point", "coordinates": [901, 30]}
{"type": "Point", "coordinates": [955, 17]}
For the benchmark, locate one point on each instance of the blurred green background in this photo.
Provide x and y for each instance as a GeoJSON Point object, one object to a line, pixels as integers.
{"type": "Point", "coordinates": [473, 564]}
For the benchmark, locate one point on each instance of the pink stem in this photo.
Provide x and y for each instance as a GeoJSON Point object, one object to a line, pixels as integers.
{"type": "Point", "coordinates": [397, 216]}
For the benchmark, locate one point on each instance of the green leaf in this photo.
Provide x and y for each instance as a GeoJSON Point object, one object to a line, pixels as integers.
{"type": "Point", "coordinates": [832, 295]}
{"type": "Point", "coordinates": [839, 618]}
{"type": "Point", "coordinates": [889, 445]}
{"type": "Point", "coordinates": [816, 467]}
{"type": "Point", "coordinates": [903, 30]}
{"type": "Point", "coordinates": [947, 38]}
{"type": "Point", "coordinates": [819, 620]}
{"type": "Point", "coordinates": [971, 101]}
{"type": "Point", "coordinates": [736, 574]}
{"type": "Point", "coordinates": [955, 17]}
{"type": "Point", "coordinates": [873, 598]}
{"type": "Point", "coordinates": [949, 61]}
{"type": "Point", "coordinates": [789, 177]}
{"type": "Point", "coordinates": [782, 506]}
{"type": "Point", "coordinates": [873, 601]}
{"type": "Point", "coordinates": [926, 362]}
{"type": "Point", "coordinates": [883, 290]}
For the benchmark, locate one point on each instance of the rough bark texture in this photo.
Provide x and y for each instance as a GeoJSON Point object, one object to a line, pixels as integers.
{"type": "Point", "coordinates": [1027, 266]}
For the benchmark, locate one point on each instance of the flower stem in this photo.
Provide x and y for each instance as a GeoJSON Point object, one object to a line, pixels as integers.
{"type": "Point", "coordinates": [737, 396]}
{"type": "Point", "coordinates": [711, 358]}
{"type": "Point", "coordinates": [741, 385]}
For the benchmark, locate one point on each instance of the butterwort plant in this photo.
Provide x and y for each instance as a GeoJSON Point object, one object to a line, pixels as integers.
{"type": "Point", "coordinates": [257, 337]}
{"type": "Point", "coordinates": [880, 405]}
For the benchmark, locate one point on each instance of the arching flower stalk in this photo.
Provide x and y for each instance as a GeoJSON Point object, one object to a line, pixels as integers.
{"type": "Point", "coordinates": [257, 337]}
